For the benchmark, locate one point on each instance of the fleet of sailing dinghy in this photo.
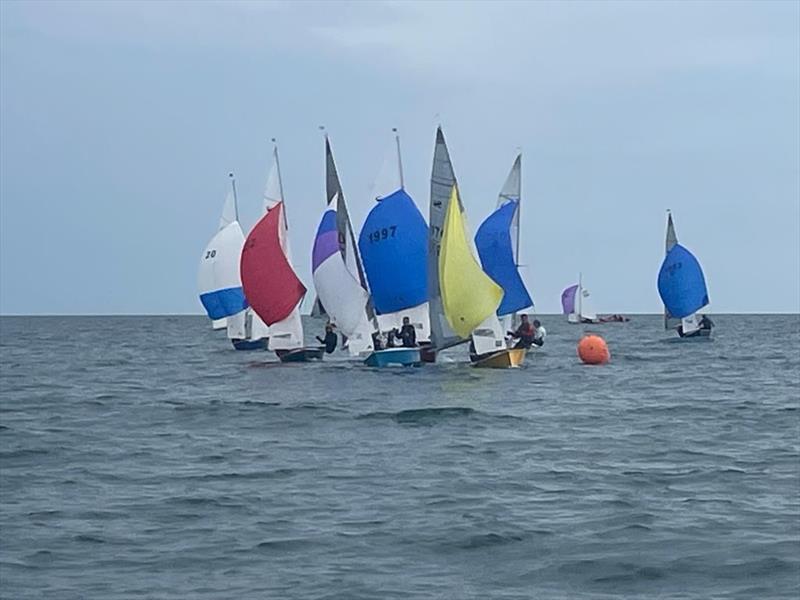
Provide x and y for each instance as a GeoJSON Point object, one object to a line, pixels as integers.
{"type": "Point", "coordinates": [497, 241]}
{"type": "Point", "coordinates": [576, 304]}
{"type": "Point", "coordinates": [270, 284]}
{"type": "Point", "coordinates": [682, 287]}
{"type": "Point", "coordinates": [336, 268]}
{"type": "Point", "coordinates": [402, 267]}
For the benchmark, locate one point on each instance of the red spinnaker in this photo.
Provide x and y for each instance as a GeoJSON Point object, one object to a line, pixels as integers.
{"type": "Point", "coordinates": [270, 284]}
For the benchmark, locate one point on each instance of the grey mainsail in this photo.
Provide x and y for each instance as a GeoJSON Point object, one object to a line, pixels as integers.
{"type": "Point", "coordinates": [442, 181]}
{"type": "Point", "coordinates": [670, 322]}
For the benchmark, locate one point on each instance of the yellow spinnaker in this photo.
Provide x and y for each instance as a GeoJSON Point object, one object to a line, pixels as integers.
{"type": "Point", "coordinates": [468, 294]}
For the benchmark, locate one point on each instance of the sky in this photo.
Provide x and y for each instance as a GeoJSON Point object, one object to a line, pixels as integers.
{"type": "Point", "coordinates": [119, 122]}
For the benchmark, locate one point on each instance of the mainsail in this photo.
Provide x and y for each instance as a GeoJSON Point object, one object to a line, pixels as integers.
{"type": "Point", "coordinates": [443, 180]}
{"type": "Point", "coordinates": [218, 276]}
{"type": "Point", "coordinates": [670, 322]}
{"type": "Point", "coordinates": [469, 296]}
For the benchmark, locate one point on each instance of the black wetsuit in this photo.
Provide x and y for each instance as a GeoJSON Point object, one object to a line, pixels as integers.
{"type": "Point", "coordinates": [330, 341]}
{"type": "Point", "coordinates": [408, 336]}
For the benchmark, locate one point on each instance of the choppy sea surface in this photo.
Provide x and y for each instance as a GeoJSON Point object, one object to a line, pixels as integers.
{"type": "Point", "coordinates": [144, 457]}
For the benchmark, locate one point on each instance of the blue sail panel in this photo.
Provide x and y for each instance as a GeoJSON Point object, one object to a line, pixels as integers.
{"type": "Point", "coordinates": [681, 283]}
{"type": "Point", "coordinates": [394, 250]}
{"type": "Point", "coordinates": [224, 303]}
{"type": "Point", "coordinates": [493, 241]}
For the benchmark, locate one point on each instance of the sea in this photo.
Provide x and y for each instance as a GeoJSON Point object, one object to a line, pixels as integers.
{"type": "Point", "coordinates": [142, 457]}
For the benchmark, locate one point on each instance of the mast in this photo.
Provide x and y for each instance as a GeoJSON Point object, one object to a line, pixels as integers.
{"type": "Point", "coordinates": [235, 199]}
{"type": "Point", "coordinates": [580, 295]}
{"type": "Point", "coordinates": [280, 182]}
{"type": "Point", "coordinates": [519, 210]}
{"type": "Point", "coordinates": [399, 158]}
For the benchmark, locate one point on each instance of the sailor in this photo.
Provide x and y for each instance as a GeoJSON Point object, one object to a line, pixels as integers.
{"type": "Point", "coordinates": [407, 334]}
{"type": "Point", "coordinates": [377, 342]}
{"type": "Point", "coordinates": [524, 333]}
{"type": "Point", "coordinates": [330, 340]}
{"type": "Point", "coordinates": [539, 333]}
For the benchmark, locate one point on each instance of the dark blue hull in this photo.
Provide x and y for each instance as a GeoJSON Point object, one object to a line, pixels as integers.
{"type": "Point", "coordinates": [260, 344]}
{"type": "Point", "coordinates": [300, 354]}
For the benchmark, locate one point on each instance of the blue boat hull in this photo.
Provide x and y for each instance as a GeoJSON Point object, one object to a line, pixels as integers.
{"type": "Point", "coordinates": [260, 344]}
{"type": "Point", "coordinates": [406, 357]}
{"type": "Point", "coordinates": [300, 354]}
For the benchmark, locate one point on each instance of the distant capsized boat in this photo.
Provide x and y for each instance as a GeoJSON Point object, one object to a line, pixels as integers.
{"type": "Point", "coordinates": [394, 248]}
{"type": "Point", "coordinates": [681, 285]}
{"type": "Point", "coordinates": [269, 281]}
{"type": "Point", "coordinates": [576, 305]}
{"type": "Point", "coordinates": [497, 241]}
{"type": "Point", "coordinates": [336, 268]}
{"type": "Point", "coordinates": [218, 276]}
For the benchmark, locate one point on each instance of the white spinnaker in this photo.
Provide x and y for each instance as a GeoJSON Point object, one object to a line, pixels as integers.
{"type": "Point", "coordinates": [419, 316]}
{"type": "Point", "coordinates": [345, 301]}
{"type": "Point", "coordinates": [489, 336]}
{"type": "Point", "coordinates": [219, 265]}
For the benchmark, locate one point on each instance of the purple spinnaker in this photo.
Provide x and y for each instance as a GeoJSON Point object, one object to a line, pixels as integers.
{"type": "Point", "coordinates": [568, 299]}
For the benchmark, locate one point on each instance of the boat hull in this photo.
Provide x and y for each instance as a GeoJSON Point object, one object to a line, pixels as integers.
{"type": "Point", "coordinates": [259, 344]}
{"type": "Point", "coordinates": [504, 359]}
{"type": "Point", "coordinates": [300, 355]}
{"type": "Point", "coordinates": [406, 357]}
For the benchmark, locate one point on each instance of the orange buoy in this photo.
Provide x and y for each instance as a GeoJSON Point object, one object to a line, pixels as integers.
{"type": "Point", "coordinates": [593, 350]}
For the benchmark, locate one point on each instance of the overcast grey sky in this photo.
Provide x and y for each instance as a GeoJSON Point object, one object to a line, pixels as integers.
{"type": "Point", "coordinates": [120, 121]}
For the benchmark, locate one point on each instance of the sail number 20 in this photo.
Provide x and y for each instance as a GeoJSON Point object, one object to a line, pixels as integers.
{"type": "Point", "coordinates": [382, 234]}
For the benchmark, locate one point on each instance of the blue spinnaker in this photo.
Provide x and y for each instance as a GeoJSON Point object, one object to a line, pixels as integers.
{"type": "Point", "coordinates": [394, 250]}
{"type": "Point", "coordinates": [681, 284]}
{"type": "Point", "coordinates": [493, 241]}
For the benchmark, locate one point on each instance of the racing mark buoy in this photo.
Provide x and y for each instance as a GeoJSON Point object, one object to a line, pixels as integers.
{"type": "Point", "coordinates": [593, 350]}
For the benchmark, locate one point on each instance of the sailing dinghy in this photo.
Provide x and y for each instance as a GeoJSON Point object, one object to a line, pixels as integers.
{"type": "Point", "coordinates": [576, 304]}
{"type": "Point", "coordinates": [497, 241]}
{"type": "Point", "coordinates": [682, 287]}
{"type": "Point", "coordinates": [394, 250]}
{"type": "Point", "coordinates": [463, 299]}
{"type": "Point", "coordinates": [220, 284]}
{"type": "Point", "coordinates": [272, 287]}
{"type": "Point", "coordinates": [337, 271]}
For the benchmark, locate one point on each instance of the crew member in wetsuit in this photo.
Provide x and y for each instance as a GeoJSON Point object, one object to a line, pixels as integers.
{"type": "Point", "coordinates": [330, 340]}
{"type": "Point", "coordinates": [524, 333]}
{"type": "Point", "coordinates": [407, 334]}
